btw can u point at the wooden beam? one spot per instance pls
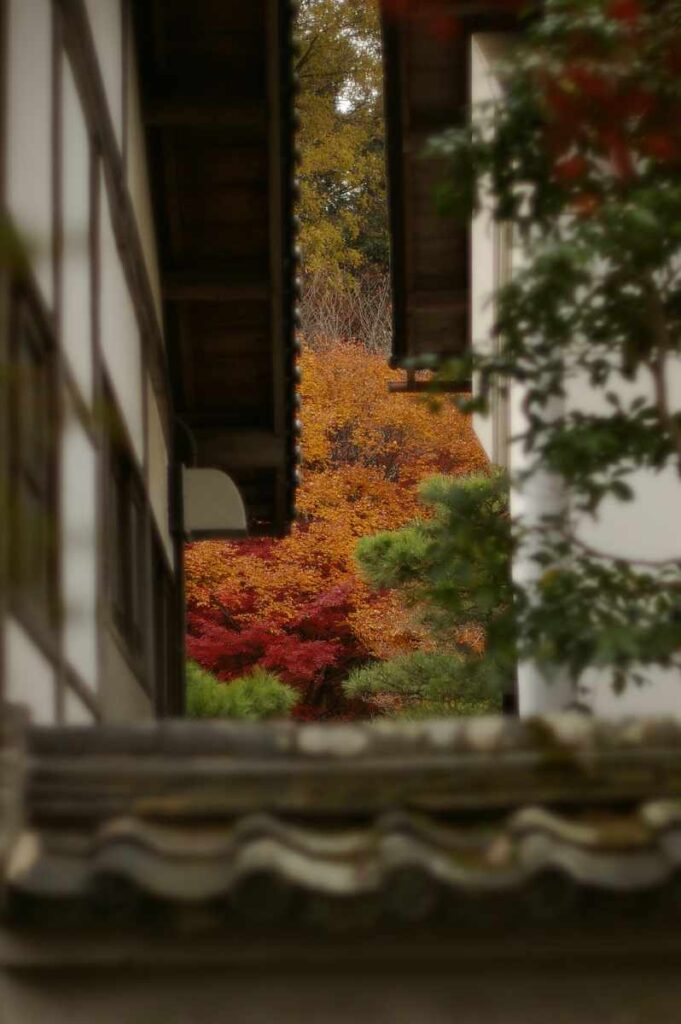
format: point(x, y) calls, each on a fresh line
point(427, 88)
point(441, 302)
point(279, 142)
point(477, 14)
point(199, 286)
point(410, 386)
point(172, 112)
point(238, 449)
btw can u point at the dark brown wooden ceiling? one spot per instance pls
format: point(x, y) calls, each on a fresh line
point(427, 90)
point(217, 103)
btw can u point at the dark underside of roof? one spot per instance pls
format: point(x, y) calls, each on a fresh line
point(217, 97)
point(427, 91)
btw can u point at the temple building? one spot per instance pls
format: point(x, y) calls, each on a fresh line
point(146, 332)
point(473, 870)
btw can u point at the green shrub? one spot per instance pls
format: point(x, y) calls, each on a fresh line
point(430, 683)
point(258, 695)
point(454, 568)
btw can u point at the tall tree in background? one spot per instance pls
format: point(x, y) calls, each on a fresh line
point(341, 138)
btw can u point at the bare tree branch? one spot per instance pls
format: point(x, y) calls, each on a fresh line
point(362, 312)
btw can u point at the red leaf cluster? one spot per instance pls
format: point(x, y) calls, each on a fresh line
point(629, 12)
point(606, 119)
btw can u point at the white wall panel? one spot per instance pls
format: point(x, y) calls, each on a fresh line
point(647, 527)
point(77, 279)
point(120, 335)
point(494, 256)
point(107, 29)
point(79, 549)
point(138, 185)
point(29, 131)
point(29, 677)
point(75, 711)
point(490, 253)
point(158, 470)
point(121, 698)
point(660, 695)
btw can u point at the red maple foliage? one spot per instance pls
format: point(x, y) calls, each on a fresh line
point(606, 118)
point(297, 606)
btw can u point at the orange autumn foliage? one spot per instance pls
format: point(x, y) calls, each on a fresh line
point(364, 451)
point(351, 419)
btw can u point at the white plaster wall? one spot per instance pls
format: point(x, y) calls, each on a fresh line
point(29, 131)
point(106, 22)
point(120, 334)
point(158, 471)
point(78, 549)
point(121, 698)
point(493, 258)
point(482, 316)
point(76, 266)
point(75, 711)
point(138, 184)
point(30, 679)
point(488, 254)
point(648, 528)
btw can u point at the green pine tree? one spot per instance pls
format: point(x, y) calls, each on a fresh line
point(256, 696)
point(454, 568)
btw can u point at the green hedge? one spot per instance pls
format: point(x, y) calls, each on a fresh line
point(431, 684)
point(258, 695)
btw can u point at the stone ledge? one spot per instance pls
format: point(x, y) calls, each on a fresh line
point(185, 769)
point(479, 824)
point(483, 735)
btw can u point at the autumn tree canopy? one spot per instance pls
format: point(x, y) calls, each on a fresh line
point(297, 607)
point(341, 139)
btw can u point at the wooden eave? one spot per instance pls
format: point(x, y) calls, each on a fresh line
point(217, 99)
point(426, 91)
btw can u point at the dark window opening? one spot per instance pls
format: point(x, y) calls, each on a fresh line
point(127, 558)
point(166, 676)
point(141, 588)
point(32, 491)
